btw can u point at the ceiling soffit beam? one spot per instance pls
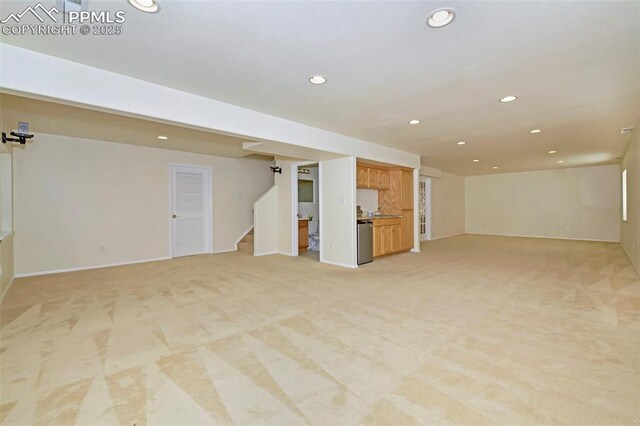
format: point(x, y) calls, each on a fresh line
point(35, 74)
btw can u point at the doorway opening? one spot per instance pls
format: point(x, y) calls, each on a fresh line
point(307, 210)
point(191, 209)
point(424, 208)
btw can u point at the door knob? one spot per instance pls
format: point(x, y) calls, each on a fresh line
point(174, 216)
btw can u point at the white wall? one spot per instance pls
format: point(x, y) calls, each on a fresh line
point(578, 203)
point(630, 231)
point(367, 199)
point(6, 189)
point(72, 196)
point(285, 183)
point(265, 222)
point(338, 212)
point(447, 206)
point(6, 219)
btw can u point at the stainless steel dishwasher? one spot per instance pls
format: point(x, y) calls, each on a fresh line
point(365, 241)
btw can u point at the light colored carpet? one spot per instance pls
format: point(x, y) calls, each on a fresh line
point(473, 330)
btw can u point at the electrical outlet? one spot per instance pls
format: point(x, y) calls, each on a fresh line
point(331, 245)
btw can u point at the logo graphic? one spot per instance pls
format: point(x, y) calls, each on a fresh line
point(34, 11)
point(75, 18)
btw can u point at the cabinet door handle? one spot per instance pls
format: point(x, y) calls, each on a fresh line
point(174, 216)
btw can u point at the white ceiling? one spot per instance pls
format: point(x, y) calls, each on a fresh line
point(575, 67)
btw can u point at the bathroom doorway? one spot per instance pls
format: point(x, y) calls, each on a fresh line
point(307, 193)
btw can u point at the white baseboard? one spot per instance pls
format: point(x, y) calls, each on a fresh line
point(544, 237)
point(6, 290)
point(84, 268)
point(446, 236)
point(224, 251)
point(344, 265)
point(266, 253)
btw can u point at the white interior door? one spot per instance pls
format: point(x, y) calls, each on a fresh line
point(424, 207)
point(190, 210)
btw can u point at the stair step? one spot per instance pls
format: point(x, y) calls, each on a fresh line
point(245, 247)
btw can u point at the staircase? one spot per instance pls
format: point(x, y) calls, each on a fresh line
point(246, 243)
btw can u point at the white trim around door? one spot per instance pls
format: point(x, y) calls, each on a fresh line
point(190, 212)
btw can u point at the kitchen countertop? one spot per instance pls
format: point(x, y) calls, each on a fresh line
point(382, 216)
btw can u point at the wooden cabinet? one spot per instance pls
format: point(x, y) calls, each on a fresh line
point(406, 227)
point(377, 241)
point(396, 238)
point(387, 236)
point(387, 239)
point(362, 177)
point(395, 197)
point(384, 179)
point(303, 234)
point(372, 177)
point(407, 190)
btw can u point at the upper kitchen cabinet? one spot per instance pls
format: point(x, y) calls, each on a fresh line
point(384, 179)
point(399, 197)
point(372, 177)
point(407, 190)
point(362, 176)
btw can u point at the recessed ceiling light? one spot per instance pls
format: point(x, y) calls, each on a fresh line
point(560, 161)
point(509, 98)
point(414, 122)
point(534, 131)
point(476, 161)
point(164, 138)
point(461, 143)
point(551, 152)
point(149, 6)
point(441, 17)
point(495, 167)
point(317, 79)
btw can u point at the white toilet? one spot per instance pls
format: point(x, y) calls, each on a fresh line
point(314, 235)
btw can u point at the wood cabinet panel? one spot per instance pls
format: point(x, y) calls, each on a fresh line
point(362, 177)
point(384, 179)
point(387, 239)
point(407, 190)
point(396, 238)
point(377, 241)
point(389, 200)
point(303, 234)
point(373, 178)
point(407, 230)
point(387, 236)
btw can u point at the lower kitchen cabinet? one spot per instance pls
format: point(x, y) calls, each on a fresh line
point(387, 236)
point(407, 230)
point(377, 241)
